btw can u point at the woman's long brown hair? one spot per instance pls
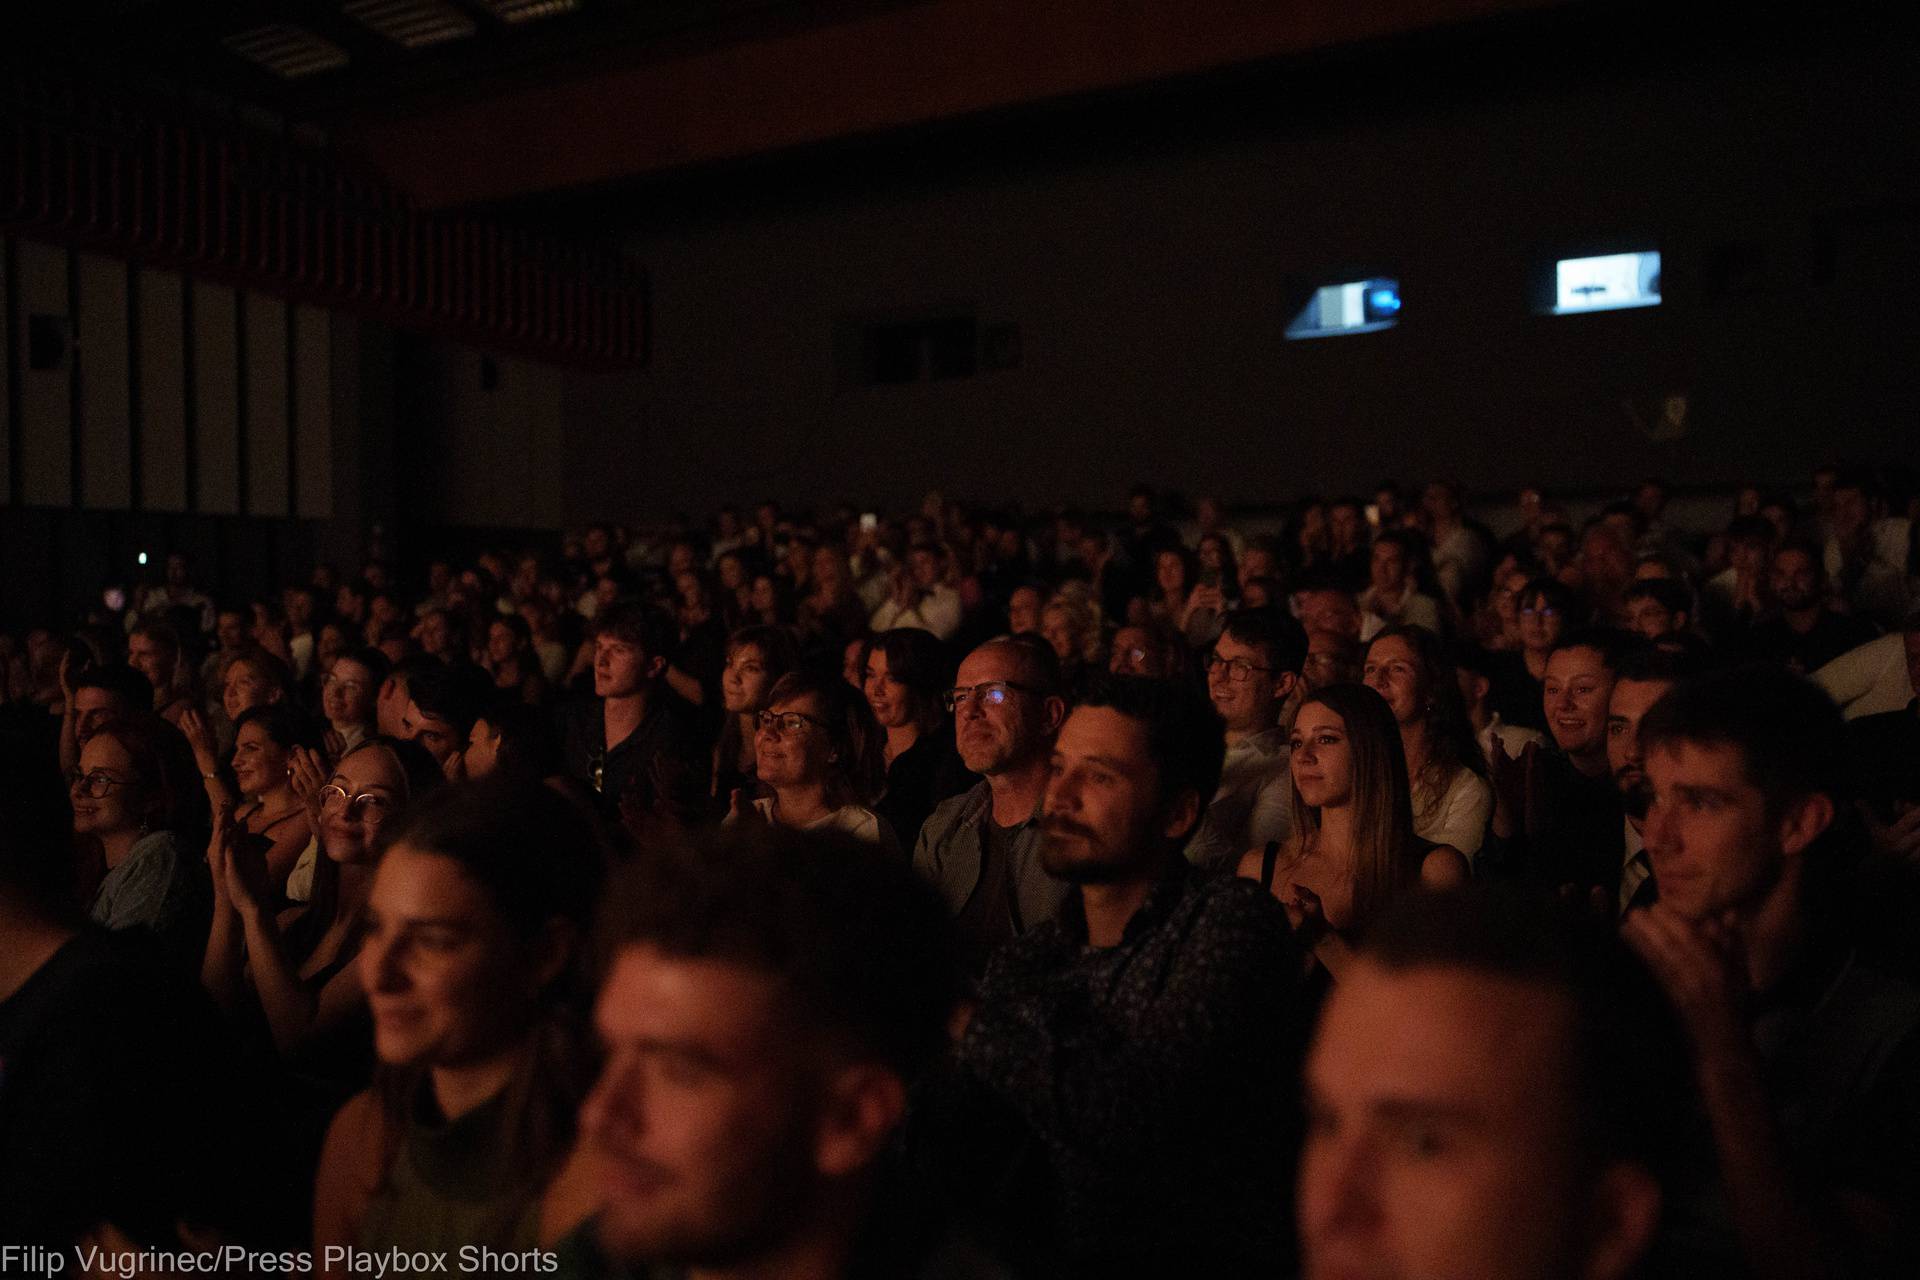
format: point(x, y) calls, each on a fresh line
point(1385, 857)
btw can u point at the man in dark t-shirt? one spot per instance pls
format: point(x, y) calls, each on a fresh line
point(1807, 1057)
point(1804, 634)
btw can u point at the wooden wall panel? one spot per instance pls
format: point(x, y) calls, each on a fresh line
point(163, 391)
point(312, 413)
point(266, 399)
point(46, 395)
point(216, 400)
point(103, 415)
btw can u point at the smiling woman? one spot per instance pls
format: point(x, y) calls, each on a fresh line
point(135, 793)
point(474, 970)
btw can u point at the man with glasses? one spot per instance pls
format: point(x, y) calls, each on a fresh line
point(981, 850)
point(1252, 670)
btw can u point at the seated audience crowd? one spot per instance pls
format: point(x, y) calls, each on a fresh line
point(1364, 892)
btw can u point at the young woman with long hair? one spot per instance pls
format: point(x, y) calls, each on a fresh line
point(905, 679)
point(1411, 669)
point(1353, 846)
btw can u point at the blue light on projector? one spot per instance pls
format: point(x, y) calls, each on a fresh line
point(1356, 306)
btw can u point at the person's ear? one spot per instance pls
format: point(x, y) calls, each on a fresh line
point(1284, 683)
point(656, 667)
point(1053, 713)
point(553, 950)
point(1804, 821)
point(1626, 1213)
point(863, 1105)
point(1182, 815)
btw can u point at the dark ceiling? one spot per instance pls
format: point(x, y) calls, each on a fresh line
point(470, 103)
point(341, 62)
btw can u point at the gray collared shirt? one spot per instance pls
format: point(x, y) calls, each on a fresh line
point(951, 853)
point(1253, 806)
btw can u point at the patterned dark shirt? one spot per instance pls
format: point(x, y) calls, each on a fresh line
point(1132, 1107)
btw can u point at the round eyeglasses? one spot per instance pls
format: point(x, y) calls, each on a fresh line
point(366, 807)
point(95, 785)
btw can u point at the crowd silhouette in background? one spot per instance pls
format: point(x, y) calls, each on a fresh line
point(1350, 891)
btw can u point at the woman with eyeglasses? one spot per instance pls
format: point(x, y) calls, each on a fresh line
point(475, 971)
point(1546, 611)
point(905, 680)
point(296, 965)
point(756, 657)
point(1452, 800)
point(1353, 847)
point(817, 750)
point(135, 792)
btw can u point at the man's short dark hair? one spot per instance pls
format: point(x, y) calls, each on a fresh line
point(1553, 593)
point(161, 633)
point(1754, 529)
point(645, 627)
point(1790, 735)
point(1411, 544)
point(1651, 664)
point(1631, 1080)
point(861, 946)
point(1611, 643)
point(1185, 735)
point(1626, 508)
point(1669, 593)
point(456, 694)
point(377, 663)
point(1857, 476)
point(128, 686)
point(412, 668)
point(1808, 548)
point(1273, 631)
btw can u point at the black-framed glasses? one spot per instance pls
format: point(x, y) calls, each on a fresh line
point(782, 723)
point(365, 807)
point(95, 785)
point(989, 693)
point(1239, 670)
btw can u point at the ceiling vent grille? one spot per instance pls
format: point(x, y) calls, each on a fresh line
point(528, 10)
point(412, 24)
point(290, 52)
